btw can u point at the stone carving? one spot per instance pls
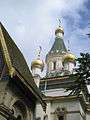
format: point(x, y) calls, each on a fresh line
point(60, 113)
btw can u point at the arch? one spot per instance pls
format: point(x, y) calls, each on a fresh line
point(20, 110)
point(14, 101)
point(51, 66)
point(54, 65)
point(19, 117)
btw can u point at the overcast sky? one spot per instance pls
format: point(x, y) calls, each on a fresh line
point(33, 22)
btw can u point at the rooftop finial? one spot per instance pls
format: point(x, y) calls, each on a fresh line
point(59, 22)
point(68, 45)
point(39, 51)
point(59, 32)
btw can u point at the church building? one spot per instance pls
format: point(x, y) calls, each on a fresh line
point(60, 64)
point(28, 96)
point(18, 91)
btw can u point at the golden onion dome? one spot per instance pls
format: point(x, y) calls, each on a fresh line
point(69, 57)
point(37, 64)
point(59, 30)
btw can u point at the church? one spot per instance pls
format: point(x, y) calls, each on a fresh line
point(18, 91)
point(25, 95)
point(60, 64)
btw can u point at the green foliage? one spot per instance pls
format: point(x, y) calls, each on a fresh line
point(88, 35)
point(81, 76)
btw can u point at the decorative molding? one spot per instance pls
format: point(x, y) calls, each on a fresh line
point(6, 55)
point(6, 112)
point(59, 111)
point(54, 78)
point(68, 112)
point(49, 98)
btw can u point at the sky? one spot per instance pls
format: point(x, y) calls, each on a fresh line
point(32, 23)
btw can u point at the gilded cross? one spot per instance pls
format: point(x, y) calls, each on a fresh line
point(39, 51)
point(59, 22)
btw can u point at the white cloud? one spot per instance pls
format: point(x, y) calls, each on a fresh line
point(32, 23)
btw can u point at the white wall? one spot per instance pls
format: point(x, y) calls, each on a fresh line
point(69, 105)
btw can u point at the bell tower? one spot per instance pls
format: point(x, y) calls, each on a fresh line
point(59, 60)
point(55, 56)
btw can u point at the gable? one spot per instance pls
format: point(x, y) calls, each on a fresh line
point(16, 63)
point(2, 62)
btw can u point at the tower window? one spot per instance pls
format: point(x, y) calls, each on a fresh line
point(54, 65)
point(19, 117)
point(61, 118)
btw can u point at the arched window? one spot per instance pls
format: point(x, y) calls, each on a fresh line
point(51, 65)
point(19, 117)
point(61, 117)
point(54, 65)
point(20, 111)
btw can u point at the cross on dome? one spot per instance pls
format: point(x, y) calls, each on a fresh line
point(59, 21)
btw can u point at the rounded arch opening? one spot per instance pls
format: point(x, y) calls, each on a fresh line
point(19, 117)
point(20, 110)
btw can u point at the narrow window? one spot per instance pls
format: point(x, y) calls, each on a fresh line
point(54, 65)
point(61, 118)
point(19, 117)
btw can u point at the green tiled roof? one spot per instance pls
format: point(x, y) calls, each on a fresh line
point(18, 61)
point(58, 46)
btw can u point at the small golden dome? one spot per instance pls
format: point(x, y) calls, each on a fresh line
point(59, 30)
point(69, 57)
point(37, 64)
